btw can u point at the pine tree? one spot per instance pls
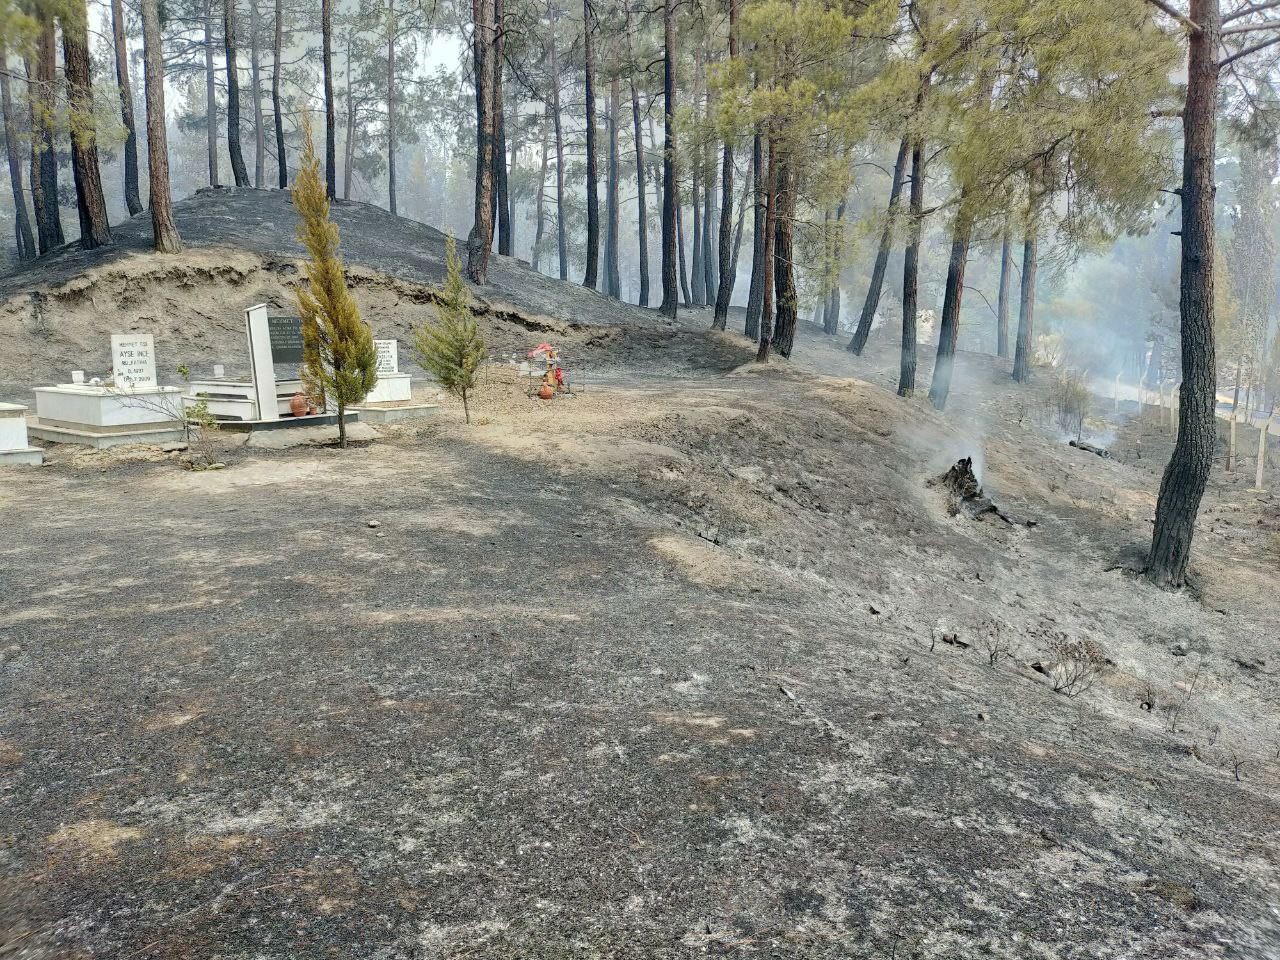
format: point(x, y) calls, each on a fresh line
point(452, 349)
point(339, 357)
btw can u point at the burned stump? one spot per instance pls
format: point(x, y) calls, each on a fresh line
point(964, 494)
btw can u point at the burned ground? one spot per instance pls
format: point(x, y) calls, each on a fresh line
point(694, 663)
point(655, 671)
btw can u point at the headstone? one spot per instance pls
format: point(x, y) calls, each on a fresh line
point(219, 371)
point(388, 356)
point(286, 339)
point(77, 376)
point(133, 359)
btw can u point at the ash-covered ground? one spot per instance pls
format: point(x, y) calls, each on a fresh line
point(694, 663)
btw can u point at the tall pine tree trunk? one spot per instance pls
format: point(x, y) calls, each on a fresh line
point(238, 169)
point(684, 271)
point(1002, 295)
point(25, 243)
point(349, 141)
point(501, 195)
point(697, 274)
point(330, 108)
point(131, 197)
point(834, 295)
point(911, 273)
point(540, 216)
point(770, 231)
point(480, 240)
point(670, 198)
point(1026, 306)
point(724, 290)
point(44, 154)
point(393, 28)
point(949, 329)
point(90, 201)
point(562, 236)
point(255, 91)
point(642, 218)
point(589, 277)
point(872, 302)
point(164, 231)
point(784, 329)
point(210, 98)
point(612, 275)
point(755, 294)
point(277, 50)
point(1183, 484)
point(711, 278)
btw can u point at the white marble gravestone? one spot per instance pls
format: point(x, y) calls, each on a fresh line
point(392, 386)
point(273, 341)
point(132, 408)
point(14, 448)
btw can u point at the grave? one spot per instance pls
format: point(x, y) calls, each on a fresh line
point(14, 448)
point(132, 408)
point(262, 401)
point(391, 398)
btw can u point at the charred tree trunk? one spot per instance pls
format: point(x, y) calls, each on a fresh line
point(711, 275)
point(90, 201)
point(589, 278)
point(612, 274)
point(393, 29)
point(330, 108)
point(276, 51)
point(724, 290)
point(514, 145)
point(698, 286)
point(131, 198)
point(480, 239)
point(210, 97)
point(349, 140)
point(25, 243)
point(949, 330)
point(562, 237)
point(755, 294)
point(233, 94)
point(784, 328)
point(834, 296)
point(684, 272)
point(540, 216)
point(669, 196)
point(501, 193)
point(164, 231)
point(1002, 296)
point(642, 219)
point(872, 302)
point(1026, 306)
point(44, 156)
point(911, 273)
point(255, 92)
point(741, 217)
point(770, 221)
point(1182, 486)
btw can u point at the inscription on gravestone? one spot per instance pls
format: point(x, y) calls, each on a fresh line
point(133, 359)
point(286, 339)
point(388, 355)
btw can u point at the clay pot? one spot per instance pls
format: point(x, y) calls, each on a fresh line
point(546, 391)
point(298, 405)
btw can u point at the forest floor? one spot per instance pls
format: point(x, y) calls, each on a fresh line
point(692, 663)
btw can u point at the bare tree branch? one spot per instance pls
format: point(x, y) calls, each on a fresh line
point(1260, 45)
point(1252, 8)
point(1182, 18)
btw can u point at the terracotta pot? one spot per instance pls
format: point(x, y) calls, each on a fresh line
point(298, 405)
point(546, 391)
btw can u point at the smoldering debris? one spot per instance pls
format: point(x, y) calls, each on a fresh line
point(965, 496)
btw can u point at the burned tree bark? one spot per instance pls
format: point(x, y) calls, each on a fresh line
point(255, 94)
point(90, 201)
point(949, 330)
point(562, 238)
point(669, 196)
point(238, 170)
point(770, 220)
point(590, 276)
point(612, 275)
point(330, 108)
point(501, 195)
point(210, 97)
point(783, 269)
point(44, 157)
point(164, 231)
point(1187, 473)
point(282, 162)
point(1026, 307)
point(25, 243)
point(480, 240)
point(755, 293)
point(872, 302)
point(724, 290)
point(1002, 297)
point(642, 219)
point(911, 273)
point(131, 197)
